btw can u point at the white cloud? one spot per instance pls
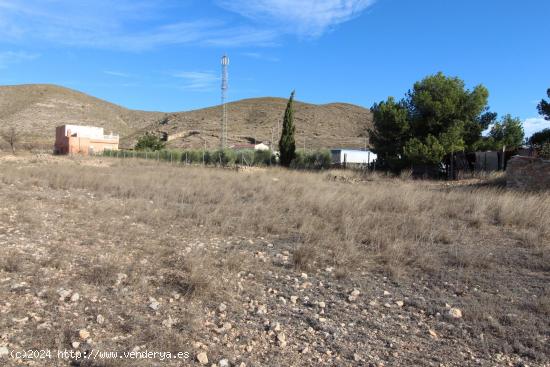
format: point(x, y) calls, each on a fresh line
point(260, 56)
point(117, 73)
point(137, 25)
point(197, 80)
point(11, 57)
point(534, 124)
point(122, 25)
point(310, 18)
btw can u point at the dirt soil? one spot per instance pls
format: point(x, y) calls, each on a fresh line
point(90, 271)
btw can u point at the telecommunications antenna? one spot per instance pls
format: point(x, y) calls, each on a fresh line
point(225, 64)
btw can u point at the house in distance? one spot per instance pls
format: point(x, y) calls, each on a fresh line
point(85, 140)
point(352, 157)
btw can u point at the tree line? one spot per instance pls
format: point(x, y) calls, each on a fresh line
point(439, 116)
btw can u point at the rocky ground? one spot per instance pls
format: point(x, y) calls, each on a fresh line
point(91, 273)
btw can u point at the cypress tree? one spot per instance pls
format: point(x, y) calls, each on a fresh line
point(287, 143)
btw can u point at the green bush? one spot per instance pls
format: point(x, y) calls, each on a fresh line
point(312, 160)
point(264, 158)
point(149, 142)
point(223, 157)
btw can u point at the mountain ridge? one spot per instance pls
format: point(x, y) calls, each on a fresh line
point(36, 109)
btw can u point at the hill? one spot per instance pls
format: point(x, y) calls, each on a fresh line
point(260, 119)
point(38, 109)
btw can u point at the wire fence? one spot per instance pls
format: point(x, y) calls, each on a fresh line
point(224, 157)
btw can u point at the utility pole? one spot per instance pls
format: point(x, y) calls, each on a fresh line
point(225, 86)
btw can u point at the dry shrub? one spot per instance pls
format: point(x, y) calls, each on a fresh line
point(10, 262)
point(101, 274)
point(192, 275)
point(303, 257)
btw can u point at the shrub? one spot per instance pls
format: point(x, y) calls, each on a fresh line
point(245, 157)
point(312, 160)
point(223, 157)
point(264, 157)
point(149, 142)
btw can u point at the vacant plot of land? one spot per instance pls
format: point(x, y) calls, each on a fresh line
point(268, 267)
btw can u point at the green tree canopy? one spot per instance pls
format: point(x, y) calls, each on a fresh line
point(508, 132)
point(539, 138)
point(544, 107)
point(430, 152)
point(438, 116)
point(149, 142)
point(390, 130)
point(287, 143)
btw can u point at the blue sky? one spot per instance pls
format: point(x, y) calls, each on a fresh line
point(164, 54)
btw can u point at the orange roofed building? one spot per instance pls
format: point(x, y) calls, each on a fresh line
point(85, 140)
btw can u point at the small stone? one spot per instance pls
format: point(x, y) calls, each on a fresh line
point(293, 299)
point(400, 303)
point(281, 337)
point(4, 352)
point(455, 313)
point(120, 277)
point(100, 319)
point(322, 304)
point(84, 334)
point(386, 293)
point(63, 294)
point(22, 320)
point(75, 297)
point(353, 295)
point(276, 327)
point(168, 322)
point(304, 276)
point(75, 345)
point(202, 358)
point(222, 308)
point(432, 332)
point(153, 304)
point(262, 310)
point(223, 363)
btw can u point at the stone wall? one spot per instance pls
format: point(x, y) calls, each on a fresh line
point(528, 173)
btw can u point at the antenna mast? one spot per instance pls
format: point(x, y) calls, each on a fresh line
point(225, 63)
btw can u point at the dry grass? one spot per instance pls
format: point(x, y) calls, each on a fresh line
point(139, 218)
point(398, 222)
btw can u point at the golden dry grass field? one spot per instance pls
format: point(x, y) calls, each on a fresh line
point(268, 267)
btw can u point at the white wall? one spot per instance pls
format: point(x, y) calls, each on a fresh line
point(85, 131)
point(353, 156)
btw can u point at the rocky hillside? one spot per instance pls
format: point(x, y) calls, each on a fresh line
point(260, 119)
point(38, 109)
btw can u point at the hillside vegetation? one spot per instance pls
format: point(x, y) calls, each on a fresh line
point(38, 109)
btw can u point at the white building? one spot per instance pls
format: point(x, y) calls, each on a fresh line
point(352, 156)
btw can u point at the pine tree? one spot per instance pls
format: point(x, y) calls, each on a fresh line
point(287, 143)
